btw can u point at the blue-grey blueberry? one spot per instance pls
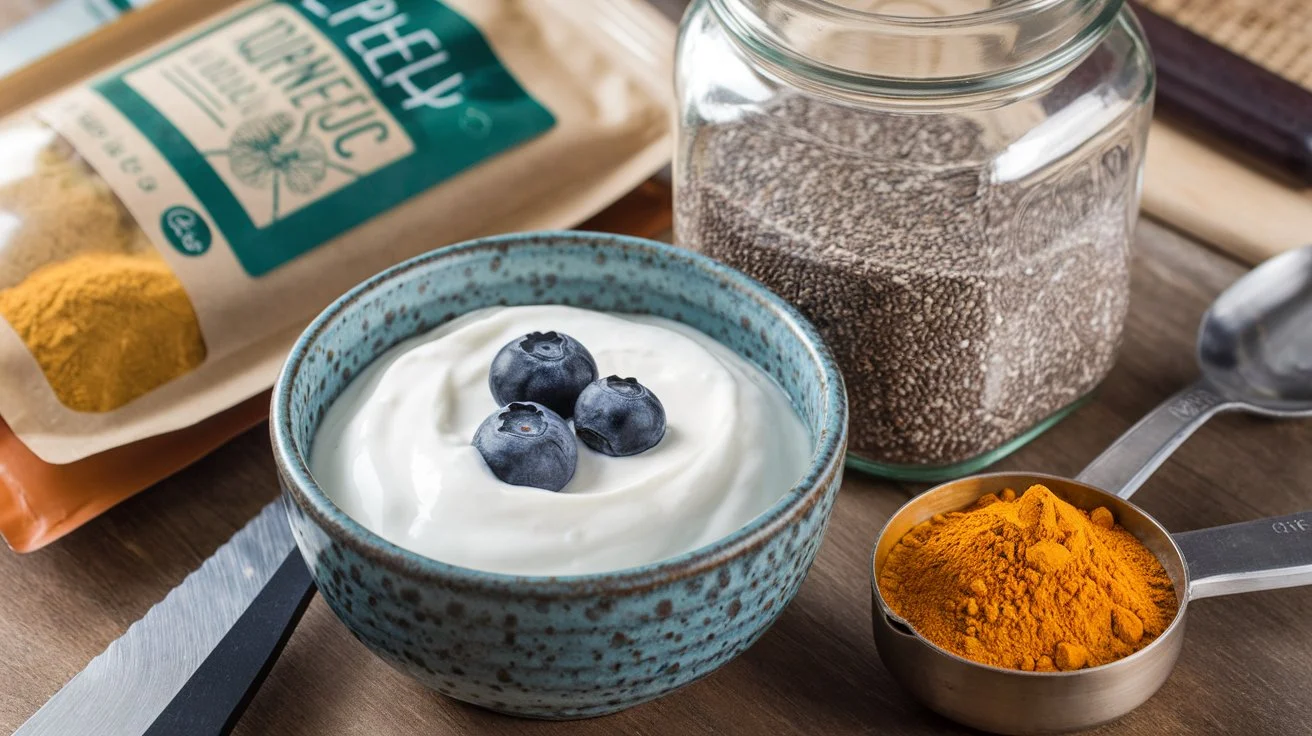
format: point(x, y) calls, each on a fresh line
point(549, 368)
point(619, 416)
point(527, 444)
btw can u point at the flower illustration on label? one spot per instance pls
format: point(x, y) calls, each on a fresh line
point(269, 152)
point(260, 152)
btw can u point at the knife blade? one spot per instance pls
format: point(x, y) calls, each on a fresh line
point(126, 688)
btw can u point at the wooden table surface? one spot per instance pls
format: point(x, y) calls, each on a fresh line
point(1245, 667)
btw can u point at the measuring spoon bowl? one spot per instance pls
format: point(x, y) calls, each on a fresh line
point(1255, 342)
point(1260, 555)
point(1255, 355)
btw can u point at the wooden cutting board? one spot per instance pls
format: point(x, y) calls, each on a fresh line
point(1276, 34)
point(1195, 185)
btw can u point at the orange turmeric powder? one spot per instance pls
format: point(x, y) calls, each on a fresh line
point(1029, 583)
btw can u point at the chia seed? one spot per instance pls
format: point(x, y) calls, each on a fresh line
point(963, 309)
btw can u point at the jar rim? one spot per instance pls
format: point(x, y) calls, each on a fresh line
point(1069, 30)
point(1009, 10)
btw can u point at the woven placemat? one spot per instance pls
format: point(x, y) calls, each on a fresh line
point(1276, 34)
point(1194, 185)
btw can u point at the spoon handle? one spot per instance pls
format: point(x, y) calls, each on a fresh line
point(1124, 466)
point(1249, 556)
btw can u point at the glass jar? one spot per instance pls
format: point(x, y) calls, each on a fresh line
point(946, 188)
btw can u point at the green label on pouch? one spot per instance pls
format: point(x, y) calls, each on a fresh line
point(296, 120)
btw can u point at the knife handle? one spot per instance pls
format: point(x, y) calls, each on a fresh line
point(217, 693)
point(1221, 92)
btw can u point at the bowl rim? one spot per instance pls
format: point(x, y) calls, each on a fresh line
point(826, 458)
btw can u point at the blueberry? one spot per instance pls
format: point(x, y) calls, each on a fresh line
point(527, 444)
point(550, 368)
point(619, 416)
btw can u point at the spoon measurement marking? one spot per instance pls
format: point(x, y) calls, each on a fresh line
point(1291, 526)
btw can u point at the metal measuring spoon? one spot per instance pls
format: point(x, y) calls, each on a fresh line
point(1255, 353)
point(1239, 558)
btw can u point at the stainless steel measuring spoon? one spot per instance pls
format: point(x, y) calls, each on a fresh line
point(1239, 558)
point(1255, 354)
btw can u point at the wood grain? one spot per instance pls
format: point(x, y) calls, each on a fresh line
point(1244, 668)
point(1220, 200)
point(1262, 115)
point(1204, 185)
point(1276, 34)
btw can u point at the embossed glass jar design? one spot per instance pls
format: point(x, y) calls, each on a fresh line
point(947, 188)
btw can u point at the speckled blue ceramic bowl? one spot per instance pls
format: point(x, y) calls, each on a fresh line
point(570, 646)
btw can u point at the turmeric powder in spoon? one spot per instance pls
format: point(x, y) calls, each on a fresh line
point(1029, 582)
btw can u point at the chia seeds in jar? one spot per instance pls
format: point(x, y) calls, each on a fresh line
point(965, 255)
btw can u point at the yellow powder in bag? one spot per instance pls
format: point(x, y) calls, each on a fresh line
point(105, 327)
point(81, 284)
point(59, 209)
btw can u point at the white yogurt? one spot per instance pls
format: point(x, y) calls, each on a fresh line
point(394, 449)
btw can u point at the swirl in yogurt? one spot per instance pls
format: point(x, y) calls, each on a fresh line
point(394, 452)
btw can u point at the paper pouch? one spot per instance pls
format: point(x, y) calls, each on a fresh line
point(168, 228)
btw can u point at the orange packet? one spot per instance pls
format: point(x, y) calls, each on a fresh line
point(41, 502)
